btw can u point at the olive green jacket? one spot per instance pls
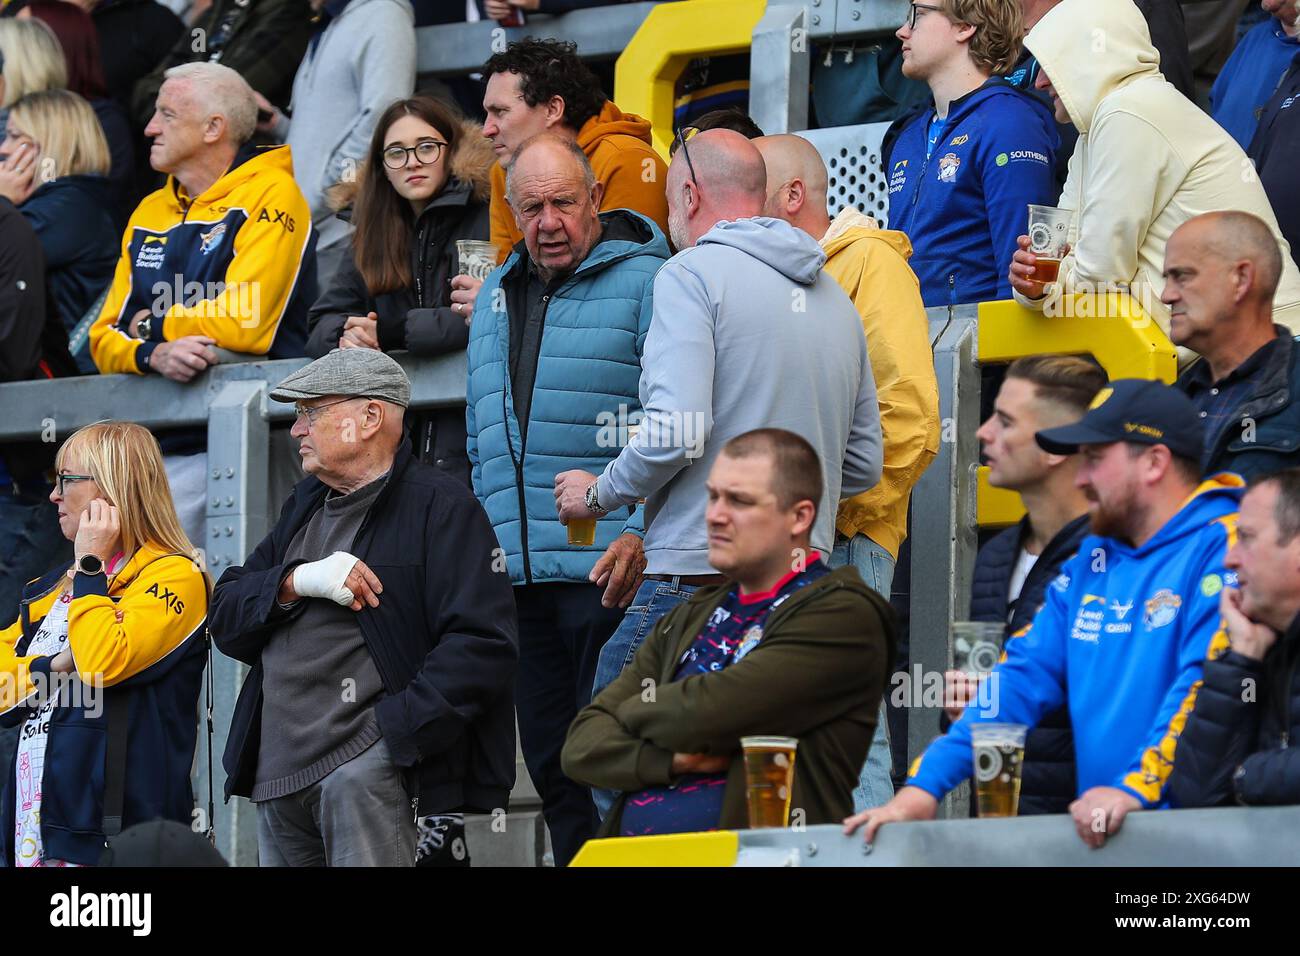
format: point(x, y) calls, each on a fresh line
point(817, 674)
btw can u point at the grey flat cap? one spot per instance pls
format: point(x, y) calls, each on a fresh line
point(354, 372)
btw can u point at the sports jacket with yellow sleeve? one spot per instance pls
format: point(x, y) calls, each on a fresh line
point(236, 263)
point(138, 645)
point(1122, 636)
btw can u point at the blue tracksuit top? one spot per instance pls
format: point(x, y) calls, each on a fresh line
point(1250, 77)
point(1123, 635)
point(964, 207)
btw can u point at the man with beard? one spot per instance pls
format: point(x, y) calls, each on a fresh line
point(1126, 625)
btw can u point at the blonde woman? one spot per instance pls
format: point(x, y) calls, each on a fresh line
point(63, 191)
point(102, 669)
point(32, 59)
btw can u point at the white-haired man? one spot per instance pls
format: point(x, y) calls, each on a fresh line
point(223, 255)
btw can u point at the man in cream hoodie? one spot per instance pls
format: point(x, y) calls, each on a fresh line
point(870, 264)
point(1148, 159)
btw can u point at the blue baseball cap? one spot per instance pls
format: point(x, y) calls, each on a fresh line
point(1136, 410)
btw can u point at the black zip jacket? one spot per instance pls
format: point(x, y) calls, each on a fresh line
point(444, 637)
point(1274, 150)
point(1236, 746)
point(1263, 434)
point(1048, 780)
point(33, 342)
point(419, 318)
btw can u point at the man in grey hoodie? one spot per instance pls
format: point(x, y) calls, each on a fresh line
point(747, 333)
point(361, 58)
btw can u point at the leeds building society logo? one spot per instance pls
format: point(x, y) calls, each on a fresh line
point(152, 252)
point(1161, 609)
point(1211, 585)
point(948, 168)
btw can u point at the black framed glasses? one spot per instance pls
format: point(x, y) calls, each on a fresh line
point(60, 480)
point(911, 14)
point(682, 137)
point(683, 134)
point(313, 413)
point(426, 153)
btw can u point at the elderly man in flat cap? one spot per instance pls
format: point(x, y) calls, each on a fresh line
point(381, 637)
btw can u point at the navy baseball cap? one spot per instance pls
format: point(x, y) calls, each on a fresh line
point(1135, 410)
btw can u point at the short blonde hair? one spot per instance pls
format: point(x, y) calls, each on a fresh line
point(220, 91)
point(126, 463)
point(33, 59)
point(999, 27)
point(67, 131)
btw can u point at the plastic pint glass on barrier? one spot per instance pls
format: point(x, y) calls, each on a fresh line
point(999, 752)
point(1049, 236)
point(769, 779)
point(976, 646)
point(475, 258)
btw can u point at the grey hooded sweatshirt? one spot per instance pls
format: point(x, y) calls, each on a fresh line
point(748, 332)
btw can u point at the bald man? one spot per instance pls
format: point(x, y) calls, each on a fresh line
point(555, 349)
point(870, 264)
point(1221, 273)
point(747, 333)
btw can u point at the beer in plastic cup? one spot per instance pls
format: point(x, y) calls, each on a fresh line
point(769, 779)
point(999, 752)
point(475, 258)
point(1049, 235)
point(976, 646)
point(582, 531)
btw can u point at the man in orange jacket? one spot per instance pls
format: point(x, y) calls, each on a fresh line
point(539, 86)
point(870, 264)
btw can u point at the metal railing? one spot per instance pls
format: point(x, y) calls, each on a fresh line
point(1228, 837)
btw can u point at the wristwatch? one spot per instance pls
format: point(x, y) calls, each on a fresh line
point(593, 502)
point(144, 327)
point(90, 564)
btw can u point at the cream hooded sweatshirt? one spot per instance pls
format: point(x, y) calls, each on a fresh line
point(1148, 159)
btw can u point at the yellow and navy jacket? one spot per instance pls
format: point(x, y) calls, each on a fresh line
point(236, 263)
point(141, 636)
point(1123, 634)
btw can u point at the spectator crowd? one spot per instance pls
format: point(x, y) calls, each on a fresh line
point(698, 400)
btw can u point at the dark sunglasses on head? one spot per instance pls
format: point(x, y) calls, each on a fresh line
point(683, 134)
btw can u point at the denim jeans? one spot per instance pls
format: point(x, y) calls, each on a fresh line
point(876, 566)
point(653, 600)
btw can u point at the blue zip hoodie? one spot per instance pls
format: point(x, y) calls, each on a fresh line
point(965, 205)
point(1123, 635)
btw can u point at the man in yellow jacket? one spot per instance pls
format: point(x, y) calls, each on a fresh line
point(222, 256)
point(870, 264)
point(539, 86)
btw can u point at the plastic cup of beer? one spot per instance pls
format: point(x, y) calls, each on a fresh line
point(999, 752)
point(475, 258)
point(769, 779)
point(582, 531)
point(976, 646)
point(1049, 237)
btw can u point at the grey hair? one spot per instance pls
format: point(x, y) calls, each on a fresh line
point(588, 175)
point(221, 91)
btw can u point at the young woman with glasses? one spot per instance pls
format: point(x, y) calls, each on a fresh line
point(425, 184)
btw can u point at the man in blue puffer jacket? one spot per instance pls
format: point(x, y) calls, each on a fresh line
point(555, 350)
